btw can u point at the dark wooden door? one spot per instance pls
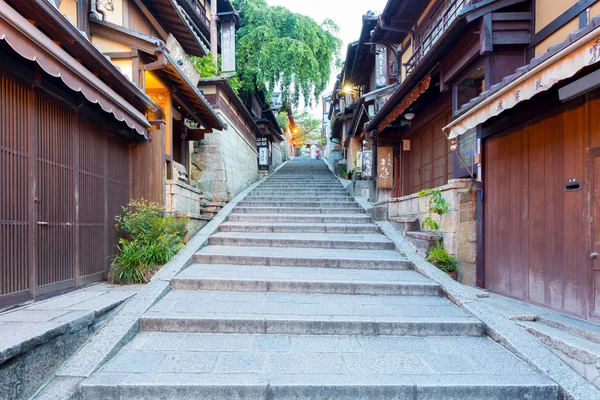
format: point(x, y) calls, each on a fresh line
point(536, 229)
point(595, 246)
point(55, 198)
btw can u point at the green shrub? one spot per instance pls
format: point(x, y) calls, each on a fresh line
point(437, 205)
point(150, 241)
point(442, 259)
point(343, 171)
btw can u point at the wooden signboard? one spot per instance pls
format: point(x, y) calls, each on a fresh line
point(385, 167)
point(367, 172)
point(186, 66)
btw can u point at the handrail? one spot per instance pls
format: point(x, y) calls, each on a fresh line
point(437, 29)
point(200, 11)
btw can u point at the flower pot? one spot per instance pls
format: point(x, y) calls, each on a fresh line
point(453, 275)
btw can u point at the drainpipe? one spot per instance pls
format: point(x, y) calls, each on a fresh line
point(99, 11)
point(214, 49)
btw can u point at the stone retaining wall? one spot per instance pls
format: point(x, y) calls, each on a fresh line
point(459, 227)
point(224, 163)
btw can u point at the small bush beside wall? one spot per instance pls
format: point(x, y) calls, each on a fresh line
point(150, 241)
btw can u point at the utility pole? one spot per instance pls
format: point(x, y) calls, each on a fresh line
point(213, 31)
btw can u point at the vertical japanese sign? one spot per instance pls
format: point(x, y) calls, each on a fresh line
point(367, 164)
point(359, 162)
point(381, 78)
point(385, 167)
point(228, 46)
point(263, 157)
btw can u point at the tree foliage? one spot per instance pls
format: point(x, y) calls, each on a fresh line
point(276, 47)
point(208, 69)
point(309, 128)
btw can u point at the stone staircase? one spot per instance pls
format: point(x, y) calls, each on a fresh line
point(299, 296)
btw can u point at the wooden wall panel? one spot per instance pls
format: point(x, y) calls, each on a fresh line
point(14, 188)
point(535, 232)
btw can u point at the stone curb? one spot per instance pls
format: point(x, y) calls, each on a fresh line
point(124, 325)
point(499, 328)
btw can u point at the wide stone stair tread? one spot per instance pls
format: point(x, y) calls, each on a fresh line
point(232, 366)
point(258, 278)
point(193, 311)
point(299, 210)
point(574, 346)
point(298, 227)
point(301, 218)
point(303, 240)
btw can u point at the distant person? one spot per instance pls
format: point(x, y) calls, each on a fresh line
point(318, 153)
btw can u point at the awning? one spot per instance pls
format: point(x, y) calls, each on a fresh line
point(405, 103)
point(582, 49)
point(31, 44)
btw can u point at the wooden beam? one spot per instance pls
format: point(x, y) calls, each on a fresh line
point(488, 7)
point(511, 38)
point(560, 21)
point(117, 34)
point(486, 34)
point(511, 16)
point(161, 31)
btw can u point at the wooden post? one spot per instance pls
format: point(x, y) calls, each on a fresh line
point(213, 31)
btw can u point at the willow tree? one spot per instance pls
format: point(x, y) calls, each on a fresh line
point(278, 48)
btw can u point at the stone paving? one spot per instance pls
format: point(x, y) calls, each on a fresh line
point(294, 300)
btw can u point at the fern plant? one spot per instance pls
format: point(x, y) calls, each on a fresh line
point(150, 241)
point(440, 257)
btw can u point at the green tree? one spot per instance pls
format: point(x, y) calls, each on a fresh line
point(208, 69)
point(276, 47)
point(309, 128)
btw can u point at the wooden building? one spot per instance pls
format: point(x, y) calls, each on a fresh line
point(526, 146)
point(68, 123)
point(540, 134)
point(97, 101)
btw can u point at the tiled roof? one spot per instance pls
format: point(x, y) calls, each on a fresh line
point(552, 50)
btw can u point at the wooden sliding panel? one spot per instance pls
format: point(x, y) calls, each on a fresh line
point(56, 198)
point(92, 195)
point(15, 193)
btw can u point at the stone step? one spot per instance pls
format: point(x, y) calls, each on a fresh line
point(302, 218)
point(293, 197)
point(171, 366)
point(299, 210)
point(302, 192)
point(585, 352)
point(299, 204)
point(257, 278)
point(280, 227)
point(193, 311)
point(309, 257)
point(423, 241)
point(575, 326)
point(310, 240)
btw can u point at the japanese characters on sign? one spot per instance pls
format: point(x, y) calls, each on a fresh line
point(381, 78)
point(385, 170)
point(263, 158)
point(367, 172)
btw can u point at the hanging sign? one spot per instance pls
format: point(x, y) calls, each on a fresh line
point(381, 78)
point(359, 161)
point(385, 170)
point(367, 172)
point(263, 156)
point(228, 46)
point(184, 63)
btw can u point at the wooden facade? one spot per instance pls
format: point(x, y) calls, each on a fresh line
point(63, 178)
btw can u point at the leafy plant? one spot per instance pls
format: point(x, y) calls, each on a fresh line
point(438, 205)
point(208, 69)
point(283, 120)
point(440, 257)
point(276, 47)
point(343, 171)
point(150, 241)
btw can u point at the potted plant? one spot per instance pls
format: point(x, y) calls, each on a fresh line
point(343, 171)
point(440, 257)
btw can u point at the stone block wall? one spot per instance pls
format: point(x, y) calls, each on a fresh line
point(458, 227)
point(224, 163)
point(183, 200)
point(277, 155)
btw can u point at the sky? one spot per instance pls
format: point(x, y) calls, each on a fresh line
point(347, 14)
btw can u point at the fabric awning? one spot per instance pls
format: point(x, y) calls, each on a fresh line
point(405, 103)
point(581, 52)
point(31, 44)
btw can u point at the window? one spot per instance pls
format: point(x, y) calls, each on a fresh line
point(471, 86)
